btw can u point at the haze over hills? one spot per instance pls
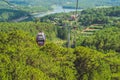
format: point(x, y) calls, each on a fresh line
point(36, 6)
point(66, 3)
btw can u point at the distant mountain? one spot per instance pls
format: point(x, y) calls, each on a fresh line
point(82, 3)
point(44, 5)
point(92, 3)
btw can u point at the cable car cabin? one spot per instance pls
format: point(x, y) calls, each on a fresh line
point(40, 39)
point(73, 17)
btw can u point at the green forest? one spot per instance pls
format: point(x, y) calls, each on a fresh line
point(94, 56)
point(11, 10)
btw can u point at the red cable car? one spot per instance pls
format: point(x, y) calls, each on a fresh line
point(40, 39)
point(73, 17)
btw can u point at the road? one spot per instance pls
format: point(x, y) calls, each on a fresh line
point(20, 19)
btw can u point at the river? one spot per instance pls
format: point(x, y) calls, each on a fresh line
point(57, 9)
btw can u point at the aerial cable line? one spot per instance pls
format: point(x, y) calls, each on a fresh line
point(69, 28)
point(75, 26)
point(76, 7)
point(68, 39)
point(102, 2)
point(74, 18)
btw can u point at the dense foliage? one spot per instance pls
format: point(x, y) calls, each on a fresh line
point(30, 27)
point(21, 58)
point(100, 16)
point(104, 40)
point(96, 56)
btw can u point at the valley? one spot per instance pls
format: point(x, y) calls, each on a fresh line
point(78, 45)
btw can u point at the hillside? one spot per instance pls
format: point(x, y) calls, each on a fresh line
point(28, 7)
point(47, 4)
point(95, 55)
point(22, 59)
point(88, 23)
point(51, 2)
point(9, 15)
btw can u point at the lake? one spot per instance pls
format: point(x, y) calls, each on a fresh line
point(57, 9)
